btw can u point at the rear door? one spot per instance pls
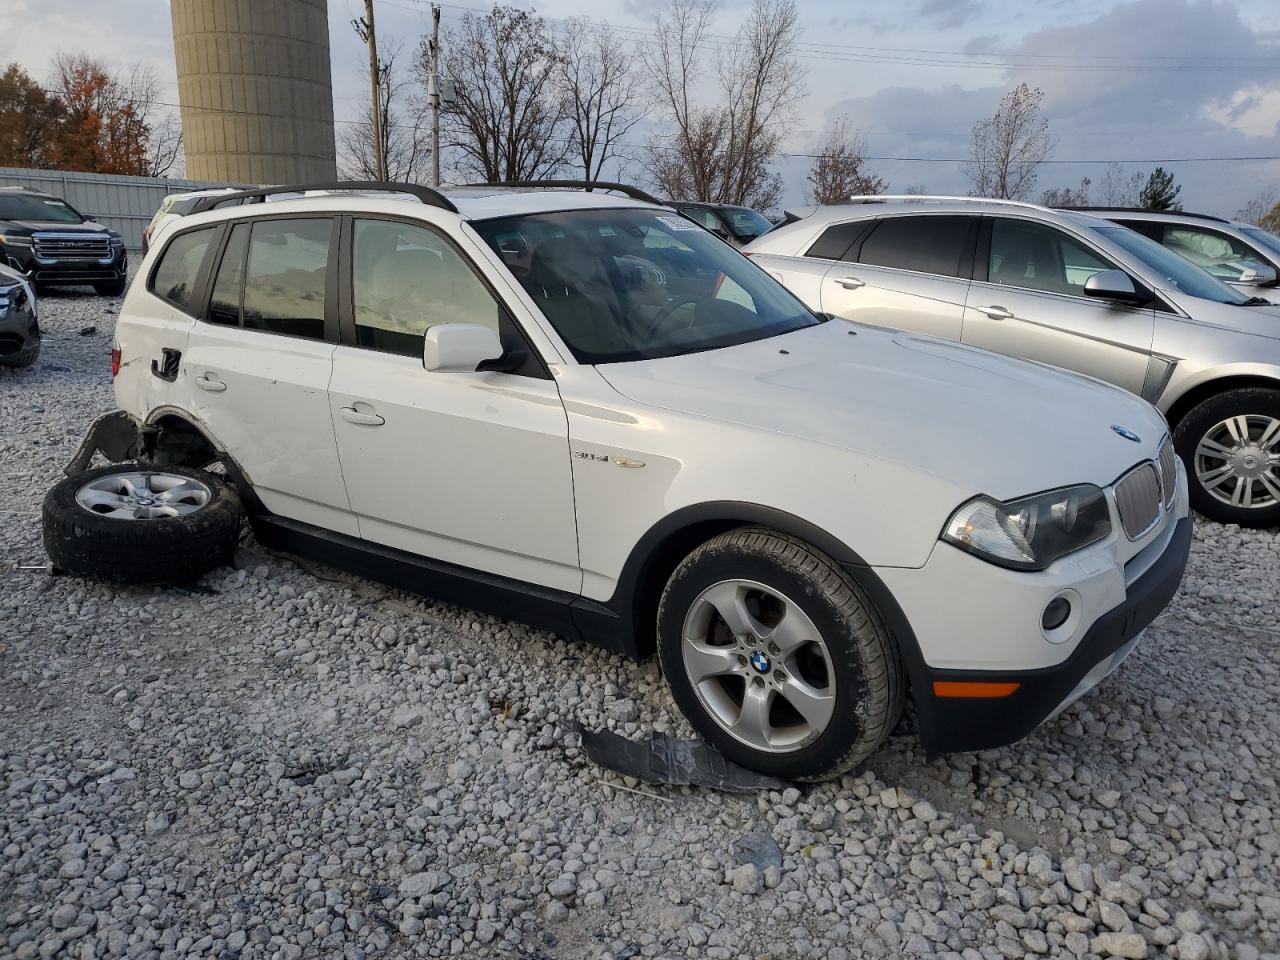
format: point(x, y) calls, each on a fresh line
point(909, 271)
point(1027, 300)
point(258, 364)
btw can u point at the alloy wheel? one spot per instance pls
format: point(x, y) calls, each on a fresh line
point(759, 666)
point(143, 496)
point(1237, 461)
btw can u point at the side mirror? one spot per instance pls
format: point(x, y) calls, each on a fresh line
point(1114, 285)
point(1258, 275)
point(459, 347)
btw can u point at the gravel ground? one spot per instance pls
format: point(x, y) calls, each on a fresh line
point(282, 761)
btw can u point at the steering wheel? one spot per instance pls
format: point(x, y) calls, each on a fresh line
point(664, 314)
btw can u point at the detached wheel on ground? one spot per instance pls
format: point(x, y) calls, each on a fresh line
point(776, 656)
point(1231, 446)
point(136, 523)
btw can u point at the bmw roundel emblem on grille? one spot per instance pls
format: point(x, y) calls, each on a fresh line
point(1127, 434)
point(760, 662)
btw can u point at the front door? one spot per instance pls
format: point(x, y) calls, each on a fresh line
point(257, 365)
point(469, 468)
point(1027, 300)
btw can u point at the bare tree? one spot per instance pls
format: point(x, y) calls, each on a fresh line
point(598, 81)
point(1067, 196)
point(916, 190)
point(1009, 146)
point(1260, 208)
point(140, 88)
point(508, 122)
point(1118, 189)
point(838, 171)
point(404, 130)
point(724, 153)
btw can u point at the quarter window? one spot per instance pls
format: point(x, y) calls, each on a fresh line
point(176, 274)
point(1036, 257)
point(932, 244)
point(284, 288)
point(836, 240)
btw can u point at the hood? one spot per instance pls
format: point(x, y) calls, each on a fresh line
point(995, 425)
point(1263, 321)
point(57, 226)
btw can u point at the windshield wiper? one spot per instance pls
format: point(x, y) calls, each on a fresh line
point(1255, 302)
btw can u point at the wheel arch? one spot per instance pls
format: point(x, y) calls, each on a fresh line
point(1199, 392)
point(664, 545)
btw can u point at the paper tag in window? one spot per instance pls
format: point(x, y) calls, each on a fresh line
point(679, 223)
point(55, 203)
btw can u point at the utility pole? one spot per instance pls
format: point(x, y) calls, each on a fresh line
point(365, 29)
point(434, 95)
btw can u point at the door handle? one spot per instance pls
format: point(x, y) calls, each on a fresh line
point(211, 384)
point(352, 415)
point(996, 312)
point(850, 283)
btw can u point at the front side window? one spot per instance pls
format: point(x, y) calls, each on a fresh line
point(285, 276)
point(637, 284)
point(407, 279)
point(1220, 255)
point(1174, 272)
point(174, 278)
point(930, 244)
point(1038, 257)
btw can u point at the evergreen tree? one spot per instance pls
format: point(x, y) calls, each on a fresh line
point(1160, 192)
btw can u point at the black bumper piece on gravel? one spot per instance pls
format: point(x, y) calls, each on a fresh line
point(960, 724)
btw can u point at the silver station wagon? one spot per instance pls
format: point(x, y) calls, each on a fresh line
point(1067, 289)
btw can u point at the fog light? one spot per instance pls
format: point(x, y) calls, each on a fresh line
point(1055, 614)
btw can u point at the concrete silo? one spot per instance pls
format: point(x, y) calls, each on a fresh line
point(256, 92)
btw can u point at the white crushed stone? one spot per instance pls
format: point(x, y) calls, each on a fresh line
point(287, 763)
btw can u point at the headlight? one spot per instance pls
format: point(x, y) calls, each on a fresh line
point(15, 241)
point(1033, 532)
point(117, 241)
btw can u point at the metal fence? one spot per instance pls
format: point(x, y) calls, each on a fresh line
point(126, 204)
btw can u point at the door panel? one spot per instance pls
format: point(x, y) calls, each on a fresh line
point(468, 468)
point(1031, 304)
point(896, 298)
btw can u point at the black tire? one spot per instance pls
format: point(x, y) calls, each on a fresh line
point(868, 678)
point(18, 363)
point(156, 551)
point(1199, 422)
point(111, 288)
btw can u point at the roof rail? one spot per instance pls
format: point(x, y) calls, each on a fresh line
point(1175, 213)
point(635, 193)
point(428, 196)
point(939, 198)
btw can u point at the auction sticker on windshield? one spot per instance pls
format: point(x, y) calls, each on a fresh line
point(679, 223)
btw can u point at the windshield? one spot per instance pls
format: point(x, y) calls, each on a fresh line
point(1268, 240)
point(635, 284)
point(1177, 273)
point(14, 207)
point(746, 223)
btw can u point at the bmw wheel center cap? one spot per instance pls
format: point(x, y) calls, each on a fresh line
point(759, 662)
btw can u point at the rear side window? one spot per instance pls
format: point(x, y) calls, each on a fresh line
point(836, 240)
point(174, 278)
point(285, 277)
point(933, 244)
point(228, 282)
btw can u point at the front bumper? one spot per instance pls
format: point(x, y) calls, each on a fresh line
point(951, 724)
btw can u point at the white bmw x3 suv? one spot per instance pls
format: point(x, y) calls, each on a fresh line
point(583, 411)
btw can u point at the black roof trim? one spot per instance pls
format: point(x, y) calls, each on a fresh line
point(1172, 213)
point(635, 193)
point(432, 198)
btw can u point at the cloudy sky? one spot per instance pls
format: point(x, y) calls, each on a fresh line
point(1142, 81)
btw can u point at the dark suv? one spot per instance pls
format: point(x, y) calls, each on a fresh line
point(19, 331)
point(736, 225)
point(51, 243)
